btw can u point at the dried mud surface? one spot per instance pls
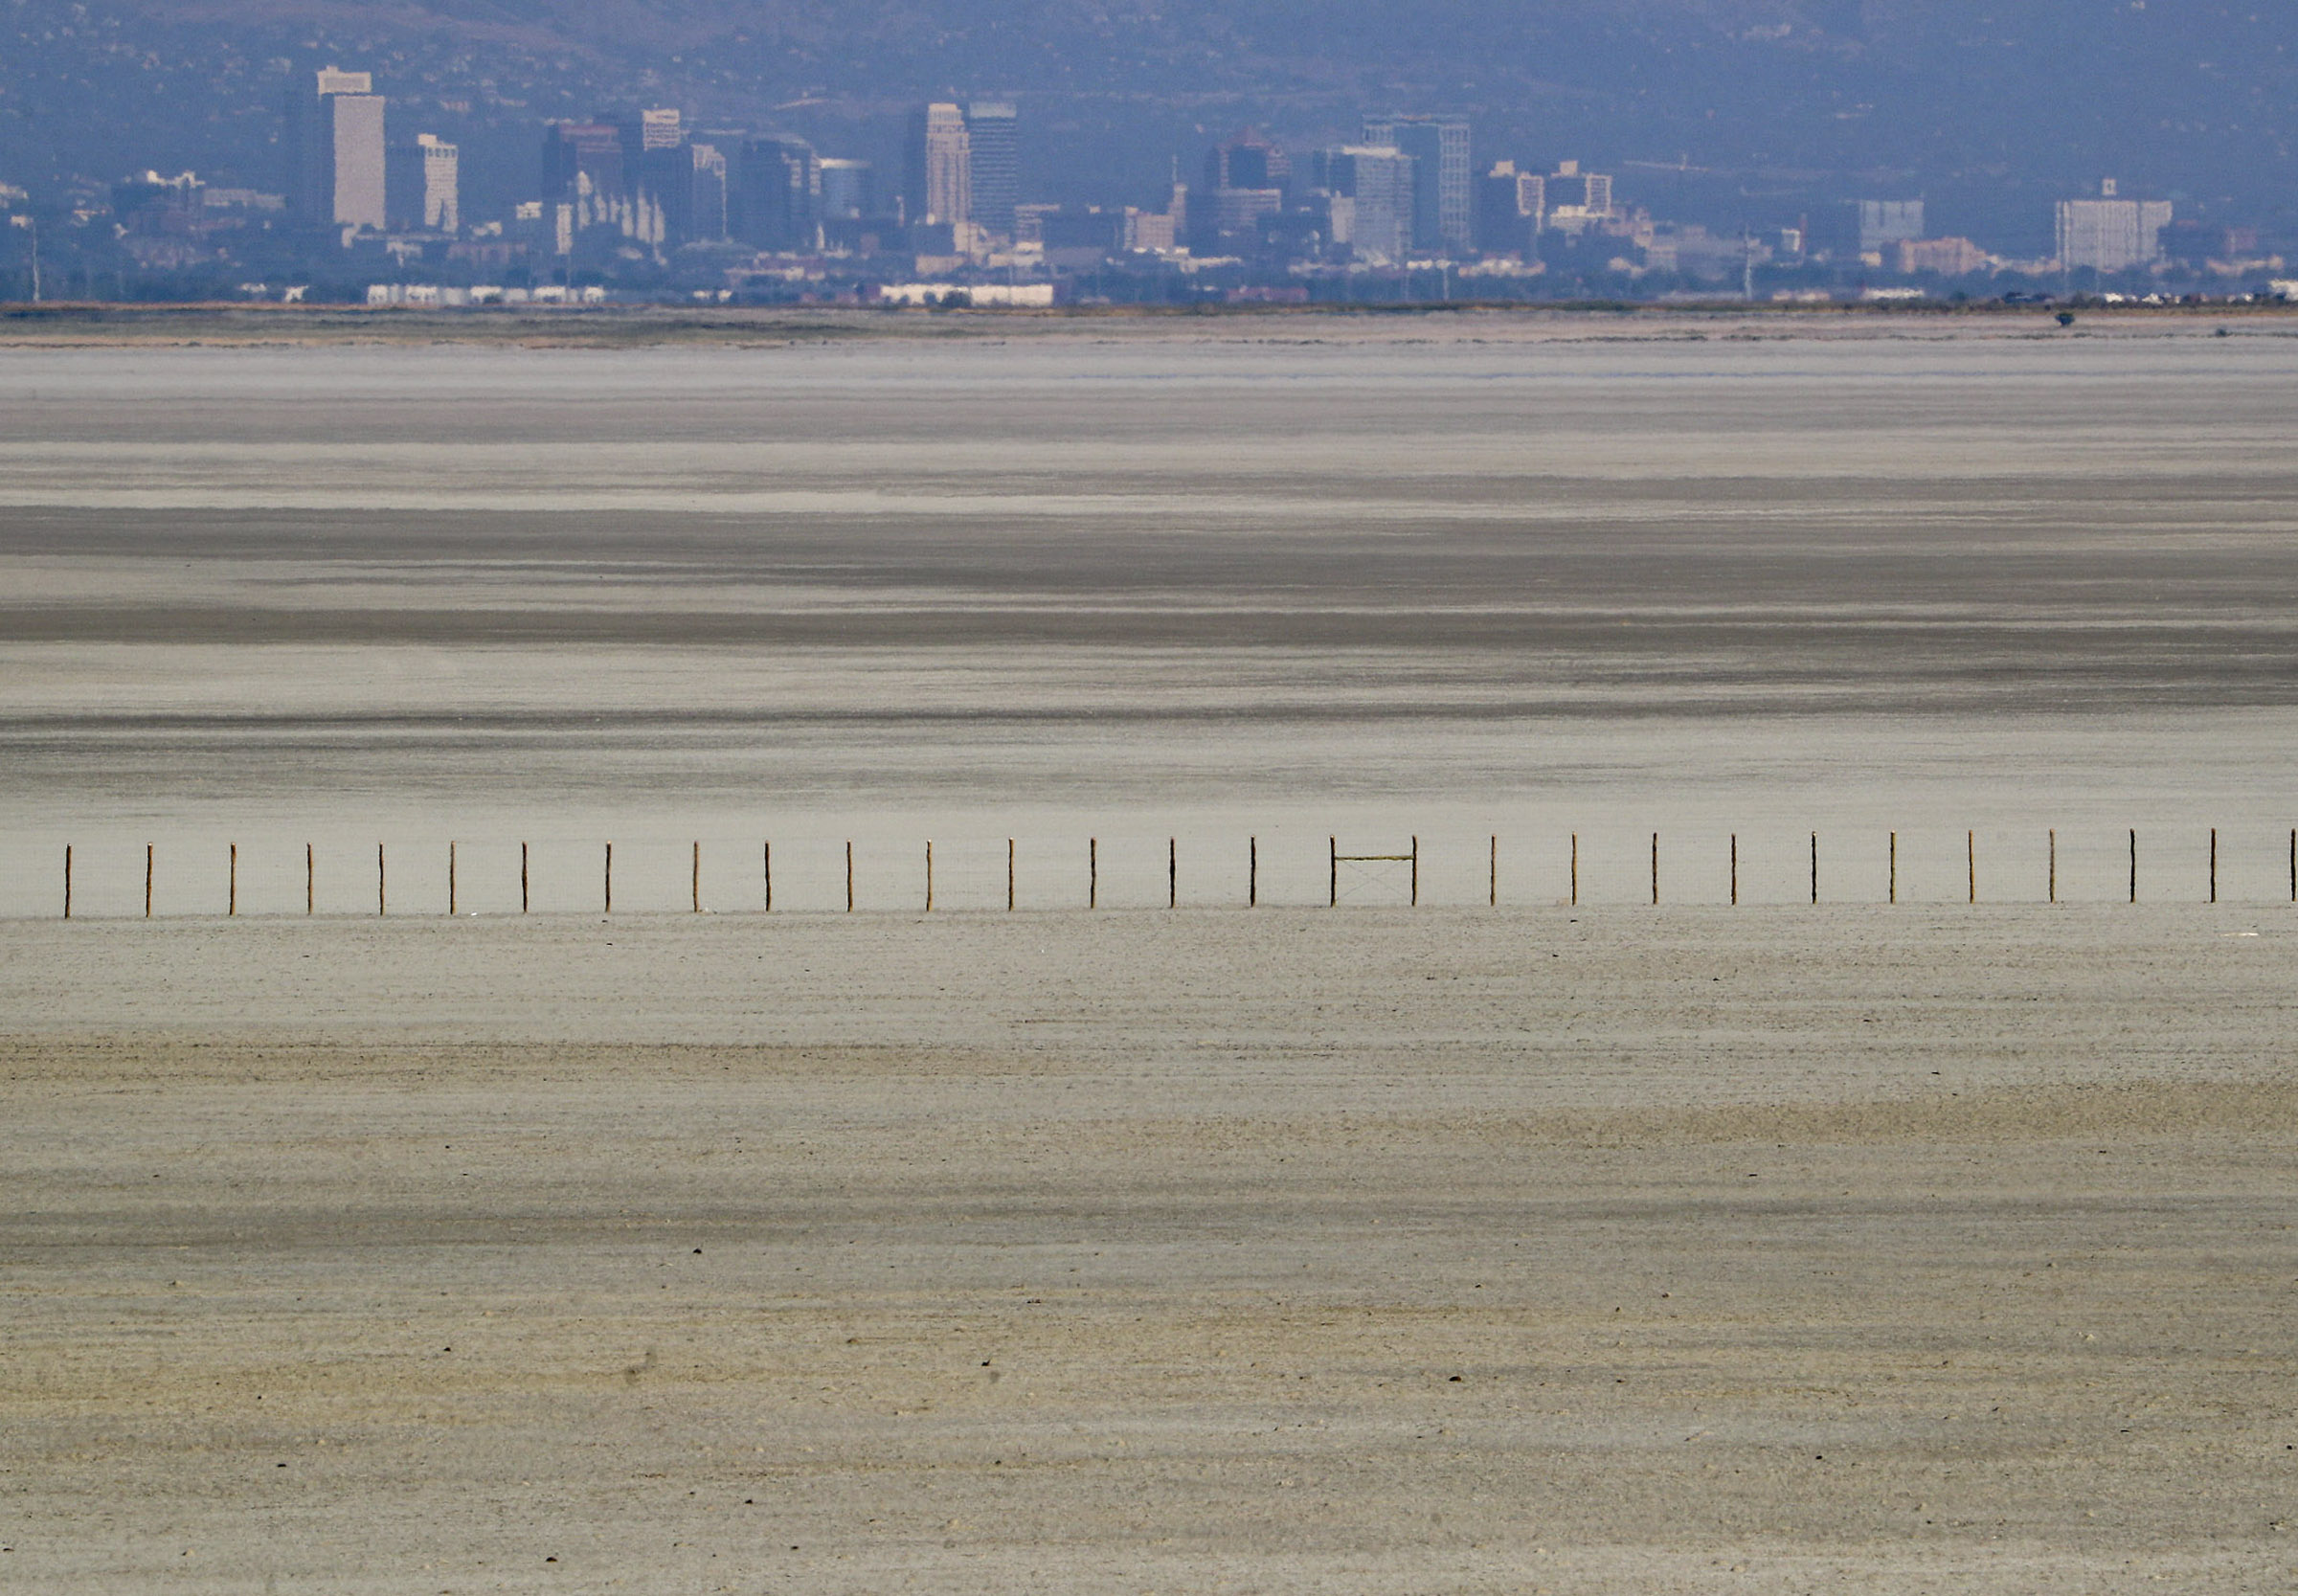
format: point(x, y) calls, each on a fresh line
point(1286, 1250)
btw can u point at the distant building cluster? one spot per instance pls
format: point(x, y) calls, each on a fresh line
point(649, 202)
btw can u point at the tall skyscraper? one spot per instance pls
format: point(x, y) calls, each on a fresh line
point(1373, 185)
point(940, 189)
point(706, 206)
point(994, 161)
point(776, 193)
point(581, 158)
point(336, 151)
point(1443, 209)
point(443, 187)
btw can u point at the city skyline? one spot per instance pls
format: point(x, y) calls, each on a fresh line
point(372, 189)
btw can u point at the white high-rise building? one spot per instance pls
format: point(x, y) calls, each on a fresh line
point(442, 194)
point(1438, 148)
point(354, 123)
point(1532, 198)
point(940, 185)
point(336, 172)
point(2110, 233)
point(1377, 182)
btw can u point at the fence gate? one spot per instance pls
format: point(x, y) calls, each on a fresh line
point(1339, 858)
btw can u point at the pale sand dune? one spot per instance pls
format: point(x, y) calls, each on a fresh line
point(1140, 1251)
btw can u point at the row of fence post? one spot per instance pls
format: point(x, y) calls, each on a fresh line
point(1093, 900)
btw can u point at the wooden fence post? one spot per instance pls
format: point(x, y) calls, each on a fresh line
point(610, 879)
point(148, 851)
point(231, 898)
point(1253, 872)
point(1656, 870)
point(1894, 887)
point(67, 880)
point(766, 869)
point(1092, 872)
point(2134, 864)
point(1971, 852)
point(1416, 872)
point(1009, 875)
point(2214, 864)
point(1496, 870)
point(310, 880)
point(450, 877)
point(850, 875)
point(1735, 869)
point(1172, 872)
point(929, 875)
point(524, 899)
point(1815, 866)
point(1333, 847)
point(2054, 864)
point(382, 903)
point(1575, 869)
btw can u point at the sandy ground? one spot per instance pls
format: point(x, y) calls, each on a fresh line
point(1936, 1248)
point(1259, 1252)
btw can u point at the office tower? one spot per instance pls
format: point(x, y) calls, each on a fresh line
point(1372, 206)
point(939, 187)
point(774, 190)
point(658, 167)
point(1442, 205)
point(1596, 190)
point(1244, 182)
point(338, 175)
point(706, 201)
point(442, 189)
point(1248, 160)
point(1532, 199)
point(2110, 233)
point(1884, 222)
point(993, 143)
point(582, 159)
point(1510, 207)
point(355, 131)
point(849, 189)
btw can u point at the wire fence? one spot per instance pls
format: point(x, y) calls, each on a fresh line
point(813, 874)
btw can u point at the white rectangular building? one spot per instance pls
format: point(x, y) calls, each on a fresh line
point(355, 137)
point(443, 197)
point(2110, 235)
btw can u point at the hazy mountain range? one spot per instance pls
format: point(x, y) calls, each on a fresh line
point(1991, 107)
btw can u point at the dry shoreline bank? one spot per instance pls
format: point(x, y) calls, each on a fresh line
point(99, 326)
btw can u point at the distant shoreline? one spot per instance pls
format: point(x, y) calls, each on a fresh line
point(106, 324)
